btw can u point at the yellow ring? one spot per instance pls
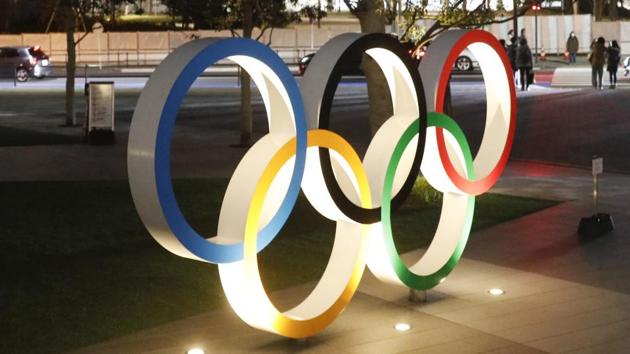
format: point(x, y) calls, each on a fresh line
point(251, 302)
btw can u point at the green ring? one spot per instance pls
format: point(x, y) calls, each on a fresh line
point(410, 279)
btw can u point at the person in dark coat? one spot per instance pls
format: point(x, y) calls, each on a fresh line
point(597, 59)
point(614, 57)
point(524, 62)
point(511, 53)
point(573, 45)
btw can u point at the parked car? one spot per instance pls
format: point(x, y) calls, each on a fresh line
point(24, 62)
point(463, 63)
point(352, 69)
point(303, 64)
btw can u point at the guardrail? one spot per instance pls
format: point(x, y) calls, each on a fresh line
point(128, 58)
point(13, 77)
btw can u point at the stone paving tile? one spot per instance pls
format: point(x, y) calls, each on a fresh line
point(481, 343)
point(613, 346)
point(561, 325)
point(515, 349)
point(563, 293)
point(414, 341)
point(584, 338)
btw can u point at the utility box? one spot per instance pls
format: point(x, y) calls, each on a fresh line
point(100, 109)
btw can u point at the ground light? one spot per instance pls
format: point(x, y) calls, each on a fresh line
point(195, 351)
point(496, 292)
point(402, 327)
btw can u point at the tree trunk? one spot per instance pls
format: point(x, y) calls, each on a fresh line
point(515, 19)
point(613, 12)
point(246, 90)
point(112, 9)
point(576, 7)
point(380, 103)
point(598, 9)
point(68, 18)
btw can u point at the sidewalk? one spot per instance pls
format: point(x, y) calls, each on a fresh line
point(563, 293)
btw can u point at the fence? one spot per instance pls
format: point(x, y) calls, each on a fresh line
point(553, 31)
point(149, 48)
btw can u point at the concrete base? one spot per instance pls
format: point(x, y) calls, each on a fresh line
point(581, 76)
point(417, 296)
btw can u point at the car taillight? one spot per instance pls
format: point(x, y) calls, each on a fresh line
point(32, 60)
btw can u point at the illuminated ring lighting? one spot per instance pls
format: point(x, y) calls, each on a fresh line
point(454, 226)
point(241, 280)
point(150, 140)
point(358, 196)
point(496, 143)
point(318, 87)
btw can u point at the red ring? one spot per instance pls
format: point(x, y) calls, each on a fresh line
point(481, 185)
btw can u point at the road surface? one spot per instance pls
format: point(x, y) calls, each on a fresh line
point(561, 126)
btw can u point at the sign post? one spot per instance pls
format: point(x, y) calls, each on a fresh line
point(97, 28)
point(598, 223)
point(100, 127)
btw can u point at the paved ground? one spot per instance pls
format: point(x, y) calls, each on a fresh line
point(562, 293)
point(561, 126)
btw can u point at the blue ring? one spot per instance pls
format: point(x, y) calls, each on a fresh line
point(195, 243)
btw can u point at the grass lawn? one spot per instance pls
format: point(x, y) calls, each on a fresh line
point(10, 136)
point(77, 266)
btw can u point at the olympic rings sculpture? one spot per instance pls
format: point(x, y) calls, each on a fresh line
point(300, 153)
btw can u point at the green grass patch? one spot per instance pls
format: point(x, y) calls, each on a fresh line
point(10, 136)
point(77, 266)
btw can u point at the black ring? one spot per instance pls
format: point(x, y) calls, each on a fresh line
point(318, 93)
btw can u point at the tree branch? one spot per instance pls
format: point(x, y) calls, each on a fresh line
point(436, 25)
point(411, 23)
point(52, 16)
point(262, 31)
point(519, 13)
point(352, 6)
point(81, 38)
point(270, 35)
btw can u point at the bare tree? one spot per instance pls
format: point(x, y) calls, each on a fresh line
point(373, 15)
point(71, 14)
point(250, 14)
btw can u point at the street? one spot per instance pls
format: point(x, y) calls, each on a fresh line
point(560, 126)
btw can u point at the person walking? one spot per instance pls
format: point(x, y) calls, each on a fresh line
point(573, 45)
point(597, 59)
point(614, 57)
point(511, 53)
point(524, 61)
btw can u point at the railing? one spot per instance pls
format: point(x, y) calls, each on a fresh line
point(12, 76)
point(148, 57)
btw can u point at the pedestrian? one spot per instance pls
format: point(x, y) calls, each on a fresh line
point(597, 60)
point(524, 61)
point(511, 53)
point(614, 57)
point(573, 45)
point(522, 35)
point(502, 41)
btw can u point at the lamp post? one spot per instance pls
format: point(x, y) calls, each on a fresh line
point(536, 9)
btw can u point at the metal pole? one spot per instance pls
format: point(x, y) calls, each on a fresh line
point(535, 36)
point(595, 189)
point(312, 34)
point(398, 19)
point(100, 60)
point(515, 19)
